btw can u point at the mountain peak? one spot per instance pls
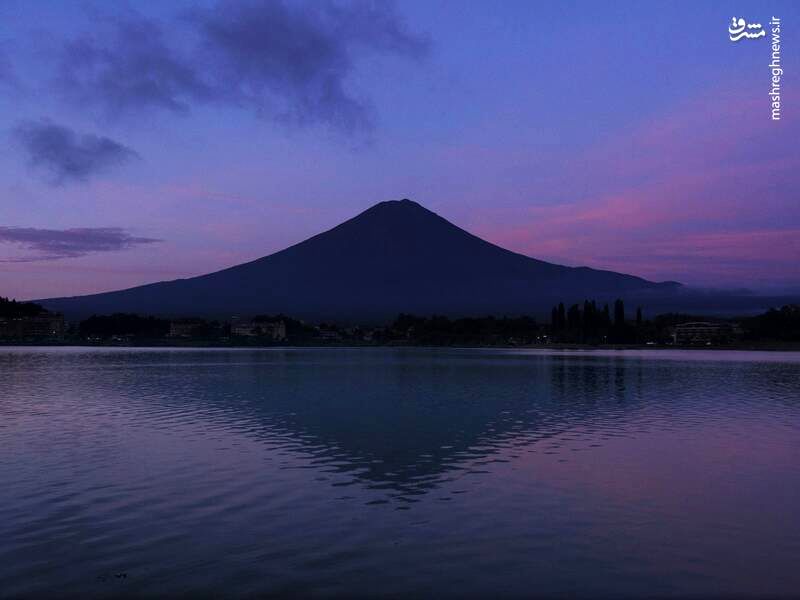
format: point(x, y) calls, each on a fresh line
point(405, 203)
point(395, 214)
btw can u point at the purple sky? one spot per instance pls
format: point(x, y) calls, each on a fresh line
point(153, 141)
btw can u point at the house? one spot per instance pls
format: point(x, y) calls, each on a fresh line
point(329, 335)
point(274, 330)
point(703, 333)
point(185, 327)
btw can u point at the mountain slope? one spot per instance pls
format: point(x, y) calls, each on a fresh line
point(395, 257)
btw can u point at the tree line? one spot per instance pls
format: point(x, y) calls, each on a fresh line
point(588, 324)
point(11, 309)
point(581, 323)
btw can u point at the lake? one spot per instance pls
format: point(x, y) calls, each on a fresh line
point(401, 472)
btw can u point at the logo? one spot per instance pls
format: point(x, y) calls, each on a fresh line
point(739, 28)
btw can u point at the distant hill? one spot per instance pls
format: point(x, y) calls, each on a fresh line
point(394, 257)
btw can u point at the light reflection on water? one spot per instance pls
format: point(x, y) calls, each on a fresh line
point(398, 471)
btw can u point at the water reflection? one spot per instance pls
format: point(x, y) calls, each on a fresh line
point(404, 421)
point(400, 472)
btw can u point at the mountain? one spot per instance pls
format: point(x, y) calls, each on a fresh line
point(394, 257)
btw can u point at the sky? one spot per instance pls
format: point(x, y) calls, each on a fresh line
point(149, 141)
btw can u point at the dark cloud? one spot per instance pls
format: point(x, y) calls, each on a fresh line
point(286, 61)
point(64, 155)
point(128, 69)
point(50, 244)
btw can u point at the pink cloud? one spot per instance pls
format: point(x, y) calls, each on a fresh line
point(703, 196)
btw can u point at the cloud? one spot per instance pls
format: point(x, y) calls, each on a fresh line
point(290, 62)
point(682, 196)
point(51, 244)
point(128, 69)
point(64, 155)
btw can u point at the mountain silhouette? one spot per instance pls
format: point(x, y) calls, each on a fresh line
point(394, 257)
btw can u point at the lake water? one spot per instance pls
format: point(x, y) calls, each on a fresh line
point(414, 472)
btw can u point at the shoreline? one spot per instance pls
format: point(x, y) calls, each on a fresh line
point(752, 347)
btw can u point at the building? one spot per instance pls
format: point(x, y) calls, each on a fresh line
point(46, 326)
point(274, 330)
point(329, 335)
point(703, 333)
point(185, 327)
point(243, 329)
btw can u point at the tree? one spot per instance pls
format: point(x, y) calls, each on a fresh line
point(105, 326)
point(590, 324)
point(606, 316)
point(574, 319)
point(639, 316)
point(14, 309)
point(619, 313)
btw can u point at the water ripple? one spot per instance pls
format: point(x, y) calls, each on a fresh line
point(154, 472)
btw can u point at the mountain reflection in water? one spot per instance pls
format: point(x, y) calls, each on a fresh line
point(290, 471)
